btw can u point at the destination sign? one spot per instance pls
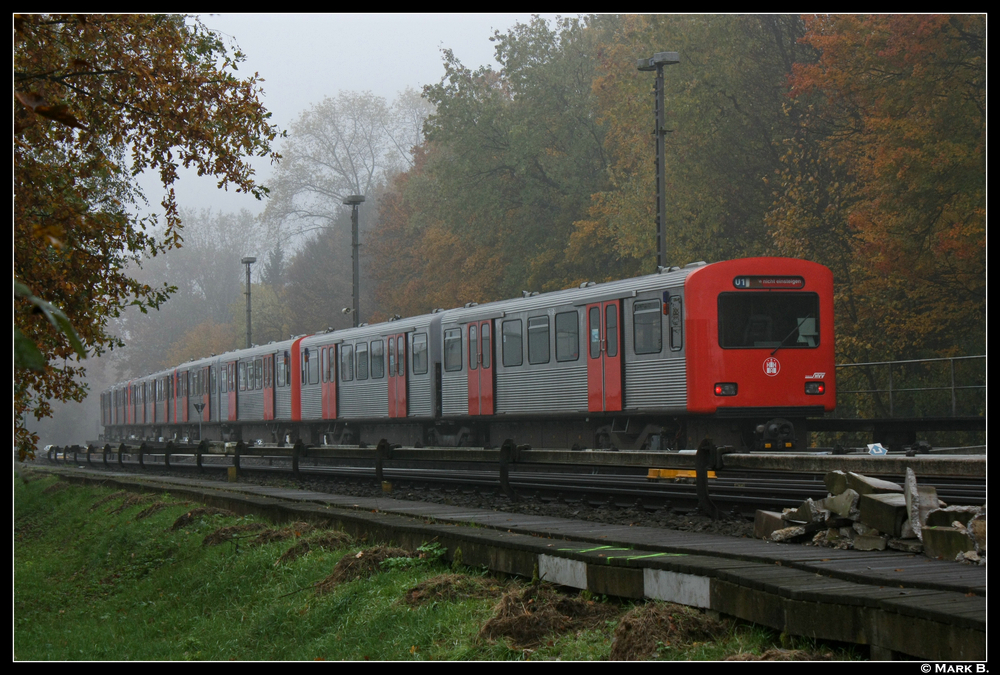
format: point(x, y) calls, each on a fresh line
point(768, 282)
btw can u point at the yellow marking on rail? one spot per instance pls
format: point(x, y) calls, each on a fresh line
point(675, 473)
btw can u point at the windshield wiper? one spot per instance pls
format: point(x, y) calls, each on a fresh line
point(797, 326)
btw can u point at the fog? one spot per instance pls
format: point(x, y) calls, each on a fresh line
point(303, 59)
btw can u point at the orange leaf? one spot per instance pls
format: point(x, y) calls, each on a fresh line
point(59, 113)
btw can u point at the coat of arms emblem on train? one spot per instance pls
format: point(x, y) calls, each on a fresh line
point(771, 366)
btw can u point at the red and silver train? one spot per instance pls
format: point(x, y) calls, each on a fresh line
point(741, 352)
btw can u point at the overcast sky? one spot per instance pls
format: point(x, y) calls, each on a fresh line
point(306, 57)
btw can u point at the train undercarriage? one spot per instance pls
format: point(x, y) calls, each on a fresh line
point(652, 433)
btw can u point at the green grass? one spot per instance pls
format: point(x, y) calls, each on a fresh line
point(95, 581)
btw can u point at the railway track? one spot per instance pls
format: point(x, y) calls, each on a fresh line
point(735, 493)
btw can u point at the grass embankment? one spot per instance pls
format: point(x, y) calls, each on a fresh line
point(106, 575)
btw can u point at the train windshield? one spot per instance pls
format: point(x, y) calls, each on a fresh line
point(768, 320)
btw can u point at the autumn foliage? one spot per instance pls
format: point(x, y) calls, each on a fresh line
point(97, 100)
point(855, 141)
point(886, 179)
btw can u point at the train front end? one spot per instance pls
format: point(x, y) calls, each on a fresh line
point(760, 343)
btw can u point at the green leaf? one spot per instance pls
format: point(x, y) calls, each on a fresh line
point(55, 316)
point(26, 354)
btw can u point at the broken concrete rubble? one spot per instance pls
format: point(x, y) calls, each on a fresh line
point(866, 485)
point(808, 512)
point(866, 513)
point(844, 504)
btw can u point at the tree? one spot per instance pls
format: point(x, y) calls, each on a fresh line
point(344, 145)
point(513, 156)
point(98, 100)
point(723, 105)
point(891, 155)
point(318, 280)
point(208, 279)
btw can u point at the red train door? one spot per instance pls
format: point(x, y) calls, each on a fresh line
point(604, 356)
point(328, 372)
point(269, 386)
point(231, 381)
point(480, 336)
point(185, 381)
point(397, 375)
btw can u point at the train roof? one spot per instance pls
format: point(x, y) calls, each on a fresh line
point(382, 329)
point(582, 295)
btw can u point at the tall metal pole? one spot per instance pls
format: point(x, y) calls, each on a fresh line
point(657, 62)
point(353, 201)
point(248, 261)
point(661, 173)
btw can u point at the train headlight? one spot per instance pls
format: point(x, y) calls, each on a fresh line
point(815, 388)
point(725, 389)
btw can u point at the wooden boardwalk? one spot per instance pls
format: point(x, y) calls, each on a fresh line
point(901, 605)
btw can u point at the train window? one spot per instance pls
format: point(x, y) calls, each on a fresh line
point(453, 349)
point(324, 366)
point(362, 351)
point(611, 329)
point(513, 347)
point(401, 360)
point(346, 363)
point(487, 345)
point(595, 332)
point(258, 367)
point(378, 359)
point(768, 320)
point(420, 353)
point(676, 323)
point(314, 370)
point(392, 357)
point(647, 326)
point(305, 366)
point(243, 375)
point(568, 336)
point(473, 347)
point(538, 339)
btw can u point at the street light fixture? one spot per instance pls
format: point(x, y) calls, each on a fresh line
point(249, 260)
point(353, 201)
point(656, 62)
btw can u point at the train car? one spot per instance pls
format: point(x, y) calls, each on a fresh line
point(741, 352)
point(761, 349)
point(371, 380)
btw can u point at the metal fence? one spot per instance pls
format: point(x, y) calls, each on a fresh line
point(941, 387)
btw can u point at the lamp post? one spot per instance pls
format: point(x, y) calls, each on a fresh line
point(656, 62)
point(353, 201)
point(199, 407)
point(249, 260)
